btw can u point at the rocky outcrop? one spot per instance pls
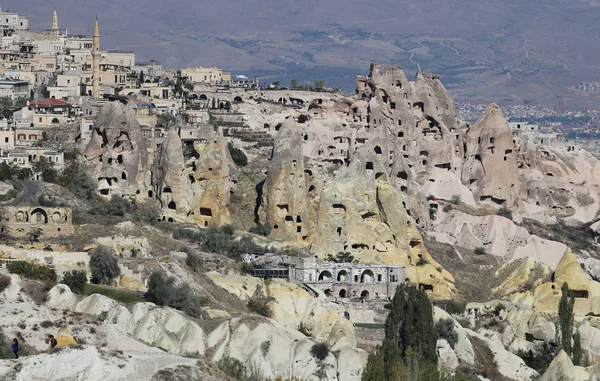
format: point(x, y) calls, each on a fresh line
point(171, 179)
point(158, 326)
point(272, 350)
point(287, 211)
point(585, 290)
point(497, 235)
point(362, 213)
point(490, 169)
point(210, 182)
point(562, 368)
point(293, 307)
point(118, 154)
point(93, 364)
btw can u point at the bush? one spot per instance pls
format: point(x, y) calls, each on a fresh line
point(456, 199)
point(422, 262)
point(195, 261)
point(246, 268)
point(232, 367)
point(146, 213)
point(444, 329)
point(479, 251)
point(76, 280)
point(505, 212)
point(163, 291)
point(116, 206)
point(222, 242)
point(261, 230)
point(33, 271)
point(320, 351)
point(78, 181)
point(260, 306)
point(104, 265)
point(4, 282)
point(499, 308)
point(453, 307)
point(447, 208)
point(237, 155)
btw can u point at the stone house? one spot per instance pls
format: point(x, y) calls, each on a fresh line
point(51, 222)
point(349, 280)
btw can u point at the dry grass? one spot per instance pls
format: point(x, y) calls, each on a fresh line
point(474, 274)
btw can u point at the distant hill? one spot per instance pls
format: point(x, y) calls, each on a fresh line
point(510, 51)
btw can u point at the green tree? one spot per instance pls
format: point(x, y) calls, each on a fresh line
point(78, 181)
point(320, 84)
point(104, 265)
point(237, 155)
point(166, 120)
point(46, 168)
point(293, 83)
point(409, 347)
point(565, 318)
point(141, 80)
point(375, 369)
point(76, 280)
point(577, 350)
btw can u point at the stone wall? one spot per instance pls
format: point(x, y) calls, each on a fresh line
point(50, 222)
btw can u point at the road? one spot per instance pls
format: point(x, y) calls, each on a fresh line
point(30, 188)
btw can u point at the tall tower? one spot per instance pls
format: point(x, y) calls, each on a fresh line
point(96, 61)
point(54, 22)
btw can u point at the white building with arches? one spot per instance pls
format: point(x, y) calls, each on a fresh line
point(349, 280)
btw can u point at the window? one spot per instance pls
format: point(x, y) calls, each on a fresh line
point(5, 140)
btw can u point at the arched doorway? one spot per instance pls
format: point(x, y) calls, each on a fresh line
point(39, 216)
point(238, 99)
point(342, 293)
point(364, 294)
point(367, 276)
point(325, 276)
point(342, 276)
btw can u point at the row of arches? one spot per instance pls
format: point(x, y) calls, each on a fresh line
point(367, 276)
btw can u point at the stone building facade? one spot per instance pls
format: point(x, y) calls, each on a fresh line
point(349, 280)
point(51, 222)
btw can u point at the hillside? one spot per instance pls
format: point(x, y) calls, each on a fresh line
point(508, 51)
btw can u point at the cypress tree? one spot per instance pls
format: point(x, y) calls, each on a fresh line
point(375, 369)
point(577, 350)
point(565, 318)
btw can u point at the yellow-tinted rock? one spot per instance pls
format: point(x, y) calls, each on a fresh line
point(133, 284)
point(64, 338)
point(586, 291)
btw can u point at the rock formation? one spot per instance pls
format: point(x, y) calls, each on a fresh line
point(210, 182)
point(491, 164)
point(171, 179)
point(288, 212)
point(118, 154)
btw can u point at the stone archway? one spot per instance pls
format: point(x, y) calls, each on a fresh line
point(342, 293)
point(39, 216)
point(364, 294)
point(342, 276)
point(367, 276)
point(325, 276)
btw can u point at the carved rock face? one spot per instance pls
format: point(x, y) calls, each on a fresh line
point(491, 163)
point(117, 153)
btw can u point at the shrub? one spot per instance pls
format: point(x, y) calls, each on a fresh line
point(232, 367)
point(78, 181)
point(116, 206)
point(456, 199)
point(422, 262)
point(499, 308)
point(146, 213)
point(237, 155)
point(33, 271)
point(479, 251)
point(76, 280)
point(194, 261)
point(505, 212)
point(4, 282)
point(260, 230)
point(320, 351)
point(104, 265)
point(447, 208)
point(163, 291)
point(246, 268)
point(444, 329)
point(222, 242)
point(453, 307)
point(260, 306)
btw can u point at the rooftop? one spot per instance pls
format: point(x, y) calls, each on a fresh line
point(49, 102)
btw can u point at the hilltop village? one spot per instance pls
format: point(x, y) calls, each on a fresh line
point(186, 225)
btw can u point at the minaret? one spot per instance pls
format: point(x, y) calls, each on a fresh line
point(54, 22)
point(96, 62)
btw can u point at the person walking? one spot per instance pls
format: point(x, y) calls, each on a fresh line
point(52, 341)
point(15, 347)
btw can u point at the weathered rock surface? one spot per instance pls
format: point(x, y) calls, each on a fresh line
point(273, 350)
point(118, 154)
point(491, 162)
